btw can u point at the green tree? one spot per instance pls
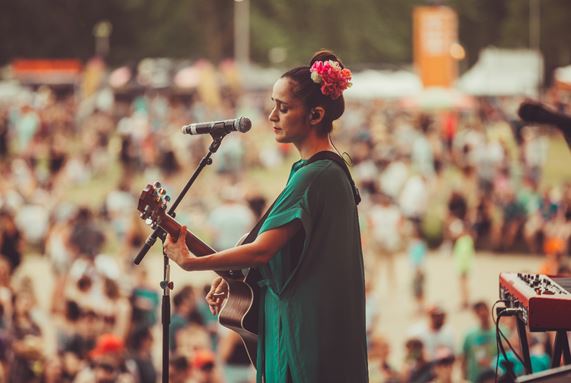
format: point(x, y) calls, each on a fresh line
point(362, 32)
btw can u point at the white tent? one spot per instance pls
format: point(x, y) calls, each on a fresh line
point(373, 84)
point(502, 72)
point(11, 92)
point(255, 78)
point(563, 77)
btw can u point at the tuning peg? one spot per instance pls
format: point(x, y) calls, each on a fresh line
point(167, 198)
point(162, 191)
point(157, 184)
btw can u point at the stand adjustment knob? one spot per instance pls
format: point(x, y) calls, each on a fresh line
point(164, 284)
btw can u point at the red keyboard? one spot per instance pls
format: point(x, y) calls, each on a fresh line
point(546, 301)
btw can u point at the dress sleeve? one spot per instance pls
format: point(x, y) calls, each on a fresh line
point(292, 204)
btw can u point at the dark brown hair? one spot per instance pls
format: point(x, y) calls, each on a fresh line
point(310, 92)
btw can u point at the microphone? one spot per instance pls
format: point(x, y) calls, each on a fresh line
point(241, 124)
point(536, 112)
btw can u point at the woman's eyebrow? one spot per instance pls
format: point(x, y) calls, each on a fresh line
point(278, 100)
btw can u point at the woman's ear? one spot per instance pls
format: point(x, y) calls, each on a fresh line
point(316, 115)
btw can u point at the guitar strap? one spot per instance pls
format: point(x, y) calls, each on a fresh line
point(327, 155)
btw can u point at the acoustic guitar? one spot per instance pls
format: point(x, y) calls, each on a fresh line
point(240, 311)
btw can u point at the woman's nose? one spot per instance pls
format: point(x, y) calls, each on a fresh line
point(273, 115)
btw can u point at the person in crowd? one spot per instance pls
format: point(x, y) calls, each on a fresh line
point(80, 338)
point(417, 251)
point(185, 312)
point(192, 337)
point(6, 293)
point(4, 134)
point(180, 369)
point(443, 366)
point(386, 224)
point(231, 219)
point(463, 252)
point(413, 198)
point(117, 311)
point(554, 262)
point(483, 222)
point(513, 218)
point(379, 367)
point(140, 350)
point(479, 347)
point(86, 237)
point(144, 300)
point(108, 363)
point(237, 367)
point(11, 239)
point(59, 252)
point(27, 339)
point(416, 368)
point(296, 253)
point(204, 367)
point(26, 123)
point(118, 204)
point(434, 333)
point(457, 209)
point(421, 151)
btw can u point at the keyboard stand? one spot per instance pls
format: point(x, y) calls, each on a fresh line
point(522, 333)
point(561, 346)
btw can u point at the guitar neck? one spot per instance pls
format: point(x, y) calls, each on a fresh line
point(194, 244)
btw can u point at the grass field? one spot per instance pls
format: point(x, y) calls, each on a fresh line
point(557, 170)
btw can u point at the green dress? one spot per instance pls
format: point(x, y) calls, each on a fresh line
point(312, 312)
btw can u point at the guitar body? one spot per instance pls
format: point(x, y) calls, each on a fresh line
point(240, 311)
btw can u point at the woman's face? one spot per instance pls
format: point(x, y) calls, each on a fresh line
point(289, 117)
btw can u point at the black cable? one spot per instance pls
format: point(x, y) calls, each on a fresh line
point(499, 335)
point(345, 156)
point(498, 339)
point(516, 311)
point(502, 349)
point(494, 306)
point(512, 347)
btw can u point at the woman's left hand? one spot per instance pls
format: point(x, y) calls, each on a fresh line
point(177, 249)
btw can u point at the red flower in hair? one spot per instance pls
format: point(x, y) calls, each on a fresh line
point(333, 79)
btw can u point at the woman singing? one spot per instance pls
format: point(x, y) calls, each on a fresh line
point(308, 250)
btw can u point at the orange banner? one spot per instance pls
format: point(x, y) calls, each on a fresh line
point(28, 66)
point(46, 71)
point(435, 31)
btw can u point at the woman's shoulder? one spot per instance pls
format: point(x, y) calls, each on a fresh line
point(320, 172)
point(325, 167)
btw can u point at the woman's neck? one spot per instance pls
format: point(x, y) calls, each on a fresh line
point(313, 144)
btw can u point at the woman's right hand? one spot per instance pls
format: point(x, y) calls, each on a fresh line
point(217, 294)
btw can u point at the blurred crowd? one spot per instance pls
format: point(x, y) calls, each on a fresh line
point(455, 181)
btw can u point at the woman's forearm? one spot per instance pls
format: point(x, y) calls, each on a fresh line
point(249, 255)
point(252, 254)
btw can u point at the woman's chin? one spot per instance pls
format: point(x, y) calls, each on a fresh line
point(281, 139)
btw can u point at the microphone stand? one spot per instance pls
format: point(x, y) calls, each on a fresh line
point(158, 232)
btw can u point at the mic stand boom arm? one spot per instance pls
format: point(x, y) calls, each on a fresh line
point(158, 232)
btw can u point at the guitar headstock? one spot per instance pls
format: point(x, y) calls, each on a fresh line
point(153, 204)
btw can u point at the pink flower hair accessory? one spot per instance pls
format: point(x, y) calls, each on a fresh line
point(333, 79)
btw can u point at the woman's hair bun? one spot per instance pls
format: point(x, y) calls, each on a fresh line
point(325, 55)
